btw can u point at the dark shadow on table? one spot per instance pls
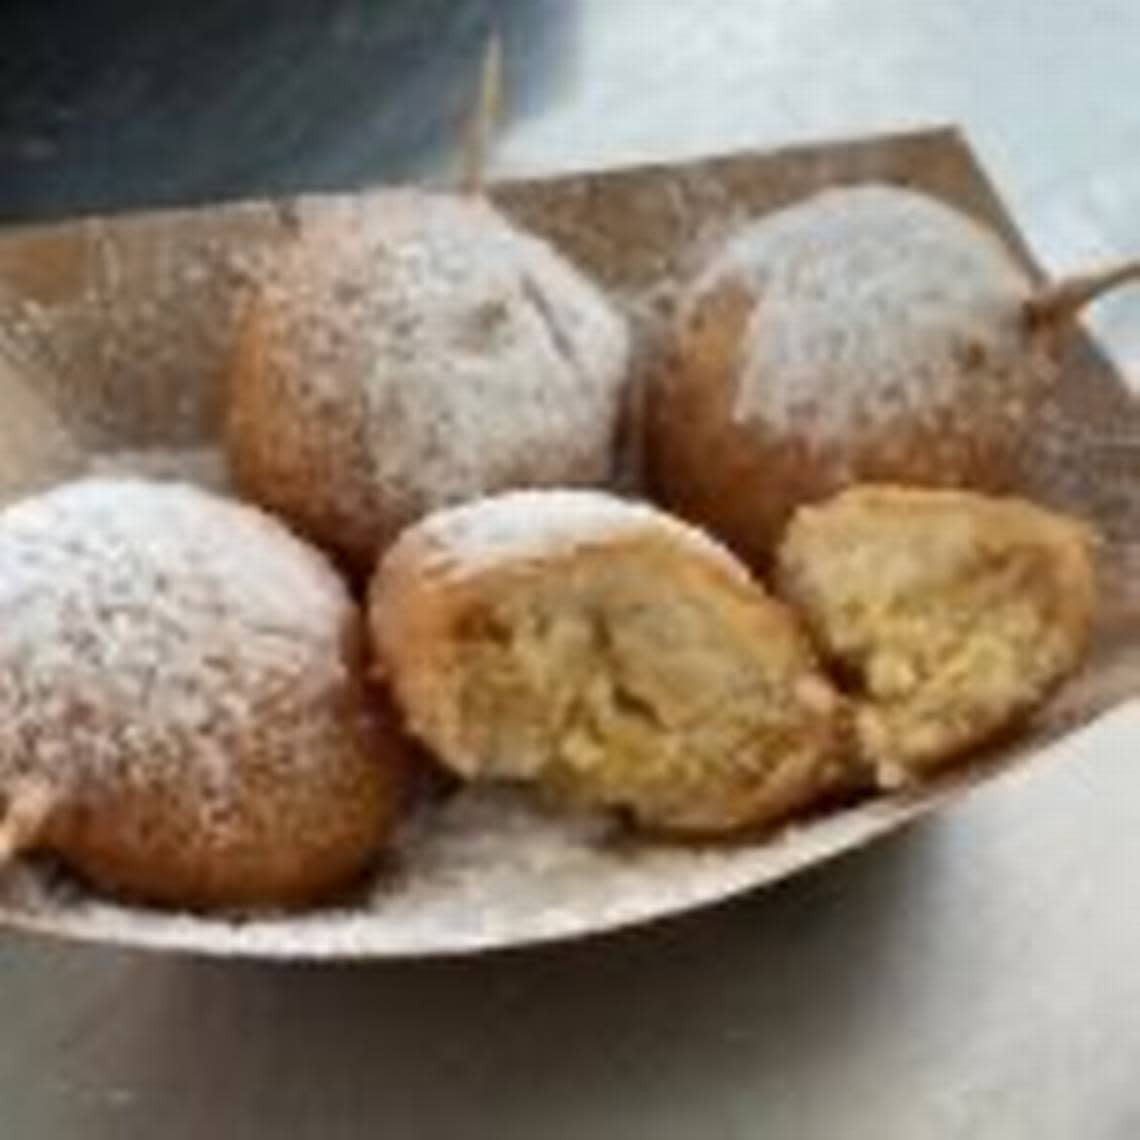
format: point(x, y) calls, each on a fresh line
point(125, 104)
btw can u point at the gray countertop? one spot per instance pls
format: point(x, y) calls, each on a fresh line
point(977, 976)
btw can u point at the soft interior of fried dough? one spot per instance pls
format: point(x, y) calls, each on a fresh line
point(950, 624)
point(684, 699)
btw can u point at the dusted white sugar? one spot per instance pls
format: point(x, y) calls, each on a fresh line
point(537, 524)
point(141, 623)
point(452, 353)
point(871, 302)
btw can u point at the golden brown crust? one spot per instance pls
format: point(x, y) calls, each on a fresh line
point(734, 478)
point(953, 614)
point(313, 474)
point(634, 670)
point(279, 843)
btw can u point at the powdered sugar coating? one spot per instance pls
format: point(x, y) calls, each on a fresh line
point(533, 525)
point(105, 586)
point(416, 350)
point(872, 302)
point(165, 648)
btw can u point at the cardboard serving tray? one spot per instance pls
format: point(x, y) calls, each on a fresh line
point(114, 338)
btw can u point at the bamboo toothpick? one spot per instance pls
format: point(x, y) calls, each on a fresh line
point(1064, 300)
point(485, 117)
point(28, 805)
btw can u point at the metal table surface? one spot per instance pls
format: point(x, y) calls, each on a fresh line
point(978, 975)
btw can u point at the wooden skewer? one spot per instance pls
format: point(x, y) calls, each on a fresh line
point(28, 805)
point(1064, 300)
point(484, 117)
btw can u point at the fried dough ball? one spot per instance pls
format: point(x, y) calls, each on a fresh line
point(412, 350)
point(183, 717)
point(953, 614)
point(867, 334)
point(605, 652)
